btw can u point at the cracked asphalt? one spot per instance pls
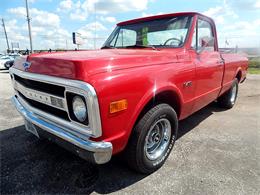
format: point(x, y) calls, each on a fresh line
point(217, 152)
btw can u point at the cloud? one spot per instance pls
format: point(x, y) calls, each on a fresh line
point(90, 37)
point(219, 13)
point(18, 11)
point(257, 4)
point(243, 29)
point(249, 5)
point(14, 34)
point(11, 25)
point(109, 19)
point(46, 29)
point(216, 13)
point(73, 9)
point(92, 27)
point(66, 5)
point(39, 17)
point(241, 34)
point(229, 15)
point(78, 15)
point(236, 31)
point(44, 18)
point(114, 6)
point(80, 10)
point(144, 14)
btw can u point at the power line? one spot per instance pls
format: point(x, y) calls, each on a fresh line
point(95, 10)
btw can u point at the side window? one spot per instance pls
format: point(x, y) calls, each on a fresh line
point(125, 38)
point(205, 36)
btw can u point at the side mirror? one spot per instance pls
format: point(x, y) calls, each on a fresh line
point(206, 43)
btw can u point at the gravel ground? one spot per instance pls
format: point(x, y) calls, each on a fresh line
point(217, 152)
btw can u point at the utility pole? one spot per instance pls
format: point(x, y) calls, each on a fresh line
point(6, 35)
point(95, 12)
point(29, 25)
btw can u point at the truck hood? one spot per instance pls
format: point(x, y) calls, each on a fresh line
point(81, 64)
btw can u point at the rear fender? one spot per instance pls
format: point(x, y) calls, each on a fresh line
point(238, 71)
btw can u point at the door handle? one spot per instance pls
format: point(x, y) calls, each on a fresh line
point(220, 61)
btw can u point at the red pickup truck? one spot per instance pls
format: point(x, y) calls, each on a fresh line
point(129, 95)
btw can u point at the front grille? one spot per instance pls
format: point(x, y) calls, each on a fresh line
point(46, 97)
point(45, 108)
point(51, 100)
point(40, 86)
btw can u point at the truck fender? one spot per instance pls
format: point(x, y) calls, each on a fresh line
point(146, 99)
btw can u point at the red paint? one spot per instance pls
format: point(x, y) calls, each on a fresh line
point(139, 74)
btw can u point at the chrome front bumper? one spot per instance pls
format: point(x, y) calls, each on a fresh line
point(95, 152)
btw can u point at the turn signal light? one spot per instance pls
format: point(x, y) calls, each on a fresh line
point(118, 106)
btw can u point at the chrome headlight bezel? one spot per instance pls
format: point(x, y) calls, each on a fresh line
point(81, 101)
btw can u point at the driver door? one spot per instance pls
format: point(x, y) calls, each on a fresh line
point(209, 66)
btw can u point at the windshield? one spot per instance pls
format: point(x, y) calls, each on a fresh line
point(170, 32)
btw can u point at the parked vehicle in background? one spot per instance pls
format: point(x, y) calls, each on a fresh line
point(14, 55)
point(7, 61)
point(128, 96)
point(9, 64)
point(3, 60)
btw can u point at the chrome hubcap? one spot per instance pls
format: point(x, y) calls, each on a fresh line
point(157, 139)
point(233, 94)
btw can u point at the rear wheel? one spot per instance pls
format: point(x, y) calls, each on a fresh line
point(152, 139)
point(228, 99)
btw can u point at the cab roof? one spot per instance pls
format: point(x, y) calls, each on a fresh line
point(149, 18)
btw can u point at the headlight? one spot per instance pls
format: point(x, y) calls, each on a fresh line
point(79, 108)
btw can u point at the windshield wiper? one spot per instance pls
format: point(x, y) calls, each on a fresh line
point(108, 47)
point(141, 46)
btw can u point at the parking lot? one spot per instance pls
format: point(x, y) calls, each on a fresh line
point(217, 152)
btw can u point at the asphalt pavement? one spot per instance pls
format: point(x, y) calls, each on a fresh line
point(217, 152)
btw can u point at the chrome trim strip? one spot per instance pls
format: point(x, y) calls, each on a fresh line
point(102, 151)
point(74, 86)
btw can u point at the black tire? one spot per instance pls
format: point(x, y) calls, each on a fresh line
point(136, 152)
point(228, 99)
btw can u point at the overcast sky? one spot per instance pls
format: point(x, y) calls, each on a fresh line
point(53, 21)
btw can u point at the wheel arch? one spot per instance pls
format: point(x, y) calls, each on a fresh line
point(170, 97)
point(151, 98)
point(238, 75)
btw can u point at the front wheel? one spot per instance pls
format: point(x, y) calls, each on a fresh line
point(152, 139)
point(228, 99)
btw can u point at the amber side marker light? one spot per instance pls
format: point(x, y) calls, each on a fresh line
point(118, 106)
